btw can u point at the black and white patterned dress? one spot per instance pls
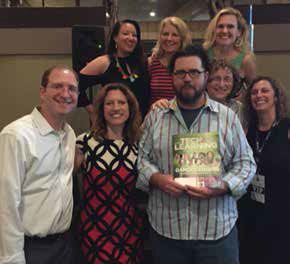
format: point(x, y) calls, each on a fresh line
point(111, 228)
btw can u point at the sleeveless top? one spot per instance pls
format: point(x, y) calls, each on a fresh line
point(160, 81)
point(236, 62)
point(139, 87)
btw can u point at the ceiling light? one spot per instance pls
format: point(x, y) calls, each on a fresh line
point(152, 14)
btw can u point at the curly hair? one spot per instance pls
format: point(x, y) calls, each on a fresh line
point(182, 30)
point(242, 43)
point(222, 64)
point(281, 103)
point(131, 131)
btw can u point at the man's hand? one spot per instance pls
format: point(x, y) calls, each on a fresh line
point(166, 183)
point(206, 192)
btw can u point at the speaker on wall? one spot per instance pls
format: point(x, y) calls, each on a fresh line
point(88, 42)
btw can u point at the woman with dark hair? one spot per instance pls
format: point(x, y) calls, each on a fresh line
point(124, 63)
point(265, 209)
point(224, 85)
point(111, 226)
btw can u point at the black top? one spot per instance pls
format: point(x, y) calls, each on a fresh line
point(189, 115)
point(140, 86)
point(266, 226)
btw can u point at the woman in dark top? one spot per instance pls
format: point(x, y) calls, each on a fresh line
point(123, 63)
point(111, 227)
point(265, 209)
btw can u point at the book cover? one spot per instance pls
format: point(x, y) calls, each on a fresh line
point(196, 160)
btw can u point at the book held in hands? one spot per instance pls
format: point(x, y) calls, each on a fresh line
point(196, 160)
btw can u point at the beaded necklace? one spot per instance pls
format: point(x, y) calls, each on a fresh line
point(131, 76)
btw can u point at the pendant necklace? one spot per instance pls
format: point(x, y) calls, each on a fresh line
point(131, 76)
point(260, 145)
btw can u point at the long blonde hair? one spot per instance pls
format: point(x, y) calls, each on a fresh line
point(241, 43)
point(182, 29)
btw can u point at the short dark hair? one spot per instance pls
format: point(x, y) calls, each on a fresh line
point(47, 72)
point(281, 104)
point(132, 129)
point(192, 50)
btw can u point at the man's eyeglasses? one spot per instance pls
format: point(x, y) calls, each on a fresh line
point(194, 73)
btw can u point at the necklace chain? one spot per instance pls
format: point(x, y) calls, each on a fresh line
point(260, 147)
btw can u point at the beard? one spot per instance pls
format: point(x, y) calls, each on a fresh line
point(189, 99)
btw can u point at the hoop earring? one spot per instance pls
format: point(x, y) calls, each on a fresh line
point(238, 42)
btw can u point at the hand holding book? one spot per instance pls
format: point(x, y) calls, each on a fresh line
point(167, 184)
point(196, 160)
point(207, 192)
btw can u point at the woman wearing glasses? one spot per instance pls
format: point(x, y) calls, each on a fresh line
point(224, 85)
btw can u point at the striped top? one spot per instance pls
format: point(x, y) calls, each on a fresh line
point(184, 217)
point(160, 81)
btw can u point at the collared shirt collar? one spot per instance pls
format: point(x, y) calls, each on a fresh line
point(209, 103)
point(42, 125)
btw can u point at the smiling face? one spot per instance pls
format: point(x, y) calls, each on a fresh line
point(126, 40)
point(263, 98)
point(59, 97)
point(170, 40)
point(220, 84)
point(116, 109)
point(227, 30)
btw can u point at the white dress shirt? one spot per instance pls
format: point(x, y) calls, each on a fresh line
point(36, 164)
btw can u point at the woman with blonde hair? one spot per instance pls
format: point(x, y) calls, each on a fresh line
point(174, 35)
point(226, 38)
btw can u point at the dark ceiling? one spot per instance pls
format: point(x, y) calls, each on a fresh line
point(140, 9)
